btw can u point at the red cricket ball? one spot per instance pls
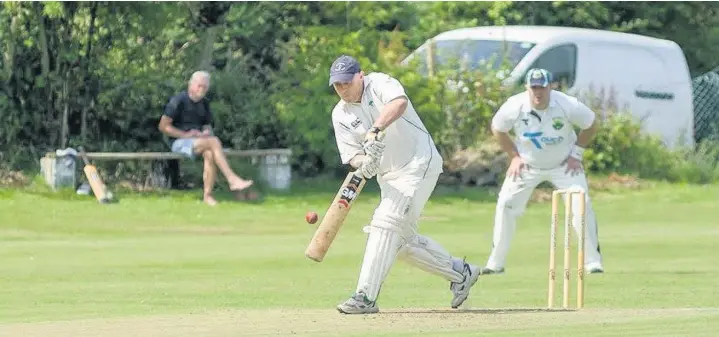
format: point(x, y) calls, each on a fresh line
point(311, 217)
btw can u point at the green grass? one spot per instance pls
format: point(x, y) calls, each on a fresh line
point(165, 261)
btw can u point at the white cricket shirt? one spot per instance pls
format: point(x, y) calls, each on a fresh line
point(409, 148)
point(544, 139)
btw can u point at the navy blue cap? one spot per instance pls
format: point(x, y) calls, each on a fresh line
point(344, 69)
point(538, 78)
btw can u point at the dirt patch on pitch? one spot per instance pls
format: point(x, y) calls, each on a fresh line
point(293, 322)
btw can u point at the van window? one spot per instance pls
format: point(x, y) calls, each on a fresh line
point(472, 54)
point(561, 61)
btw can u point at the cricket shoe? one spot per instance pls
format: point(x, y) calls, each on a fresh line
point(594, 268)
point(358, 304)
point(490, 271)
point(461, 289)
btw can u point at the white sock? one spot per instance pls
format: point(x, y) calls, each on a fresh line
point(458, 265)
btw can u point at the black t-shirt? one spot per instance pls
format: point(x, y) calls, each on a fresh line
point(187, 114)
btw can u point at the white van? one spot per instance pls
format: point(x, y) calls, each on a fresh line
point(648, 76)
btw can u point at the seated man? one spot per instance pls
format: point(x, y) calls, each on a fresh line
point(187, 122)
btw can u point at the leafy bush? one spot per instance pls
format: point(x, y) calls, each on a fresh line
point(304, 100)
point(621, 146)
point(243, 115)
point(699, 166)
point(461, 104)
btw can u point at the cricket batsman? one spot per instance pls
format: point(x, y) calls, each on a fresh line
point(545, 148)
point(407, 166)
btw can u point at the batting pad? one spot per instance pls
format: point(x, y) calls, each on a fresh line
point(394, 211)
point(428, 255)
point(380, 253)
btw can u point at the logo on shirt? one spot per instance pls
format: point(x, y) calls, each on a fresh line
point(356, 123)
point(534, 138)
point(557, 123)
point(538, 139)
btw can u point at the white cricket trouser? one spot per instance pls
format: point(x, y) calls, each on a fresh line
point(512, 201)
point(392, 234)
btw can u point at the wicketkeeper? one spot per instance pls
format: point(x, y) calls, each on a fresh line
point(407, 165)
point(545, 148)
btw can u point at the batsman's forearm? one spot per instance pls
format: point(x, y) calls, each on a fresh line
point(506, 143)
point(585, 136)
point(390, 113)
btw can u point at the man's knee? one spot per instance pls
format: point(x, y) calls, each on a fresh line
point(209, 143)
point(208, 156)
point(215, 142)
point(395, 212)
point(394, 222)
point(509, 205)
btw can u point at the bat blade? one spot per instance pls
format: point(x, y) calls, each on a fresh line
point(335, 216)
point(99, 189)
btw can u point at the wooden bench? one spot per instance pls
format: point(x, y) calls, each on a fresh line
point(275, 169)
point(172, 155)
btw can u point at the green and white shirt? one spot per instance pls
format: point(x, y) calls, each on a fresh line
point(544, 139)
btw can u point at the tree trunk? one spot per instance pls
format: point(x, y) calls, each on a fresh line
point(45, 65)
point(88, 60)
point(65, 67)
point(208, 48)
point(9, 55)
point(65, 111)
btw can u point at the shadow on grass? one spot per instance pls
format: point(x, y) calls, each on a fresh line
point(477, 311)
point(317, 188)
point(321, 188)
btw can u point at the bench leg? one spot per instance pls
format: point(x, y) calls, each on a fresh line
point(173, 173)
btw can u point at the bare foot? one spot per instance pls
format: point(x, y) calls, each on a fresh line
point(209, 200)
point(240, 185)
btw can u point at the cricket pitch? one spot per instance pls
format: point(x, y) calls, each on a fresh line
point(292, 322)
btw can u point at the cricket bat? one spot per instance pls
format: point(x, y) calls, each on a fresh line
point(335, 216)
point(93, 177)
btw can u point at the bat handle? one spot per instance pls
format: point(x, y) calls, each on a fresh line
point(82, 154)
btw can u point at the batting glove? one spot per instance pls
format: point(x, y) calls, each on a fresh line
point(369, 167)
point(373, 145)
